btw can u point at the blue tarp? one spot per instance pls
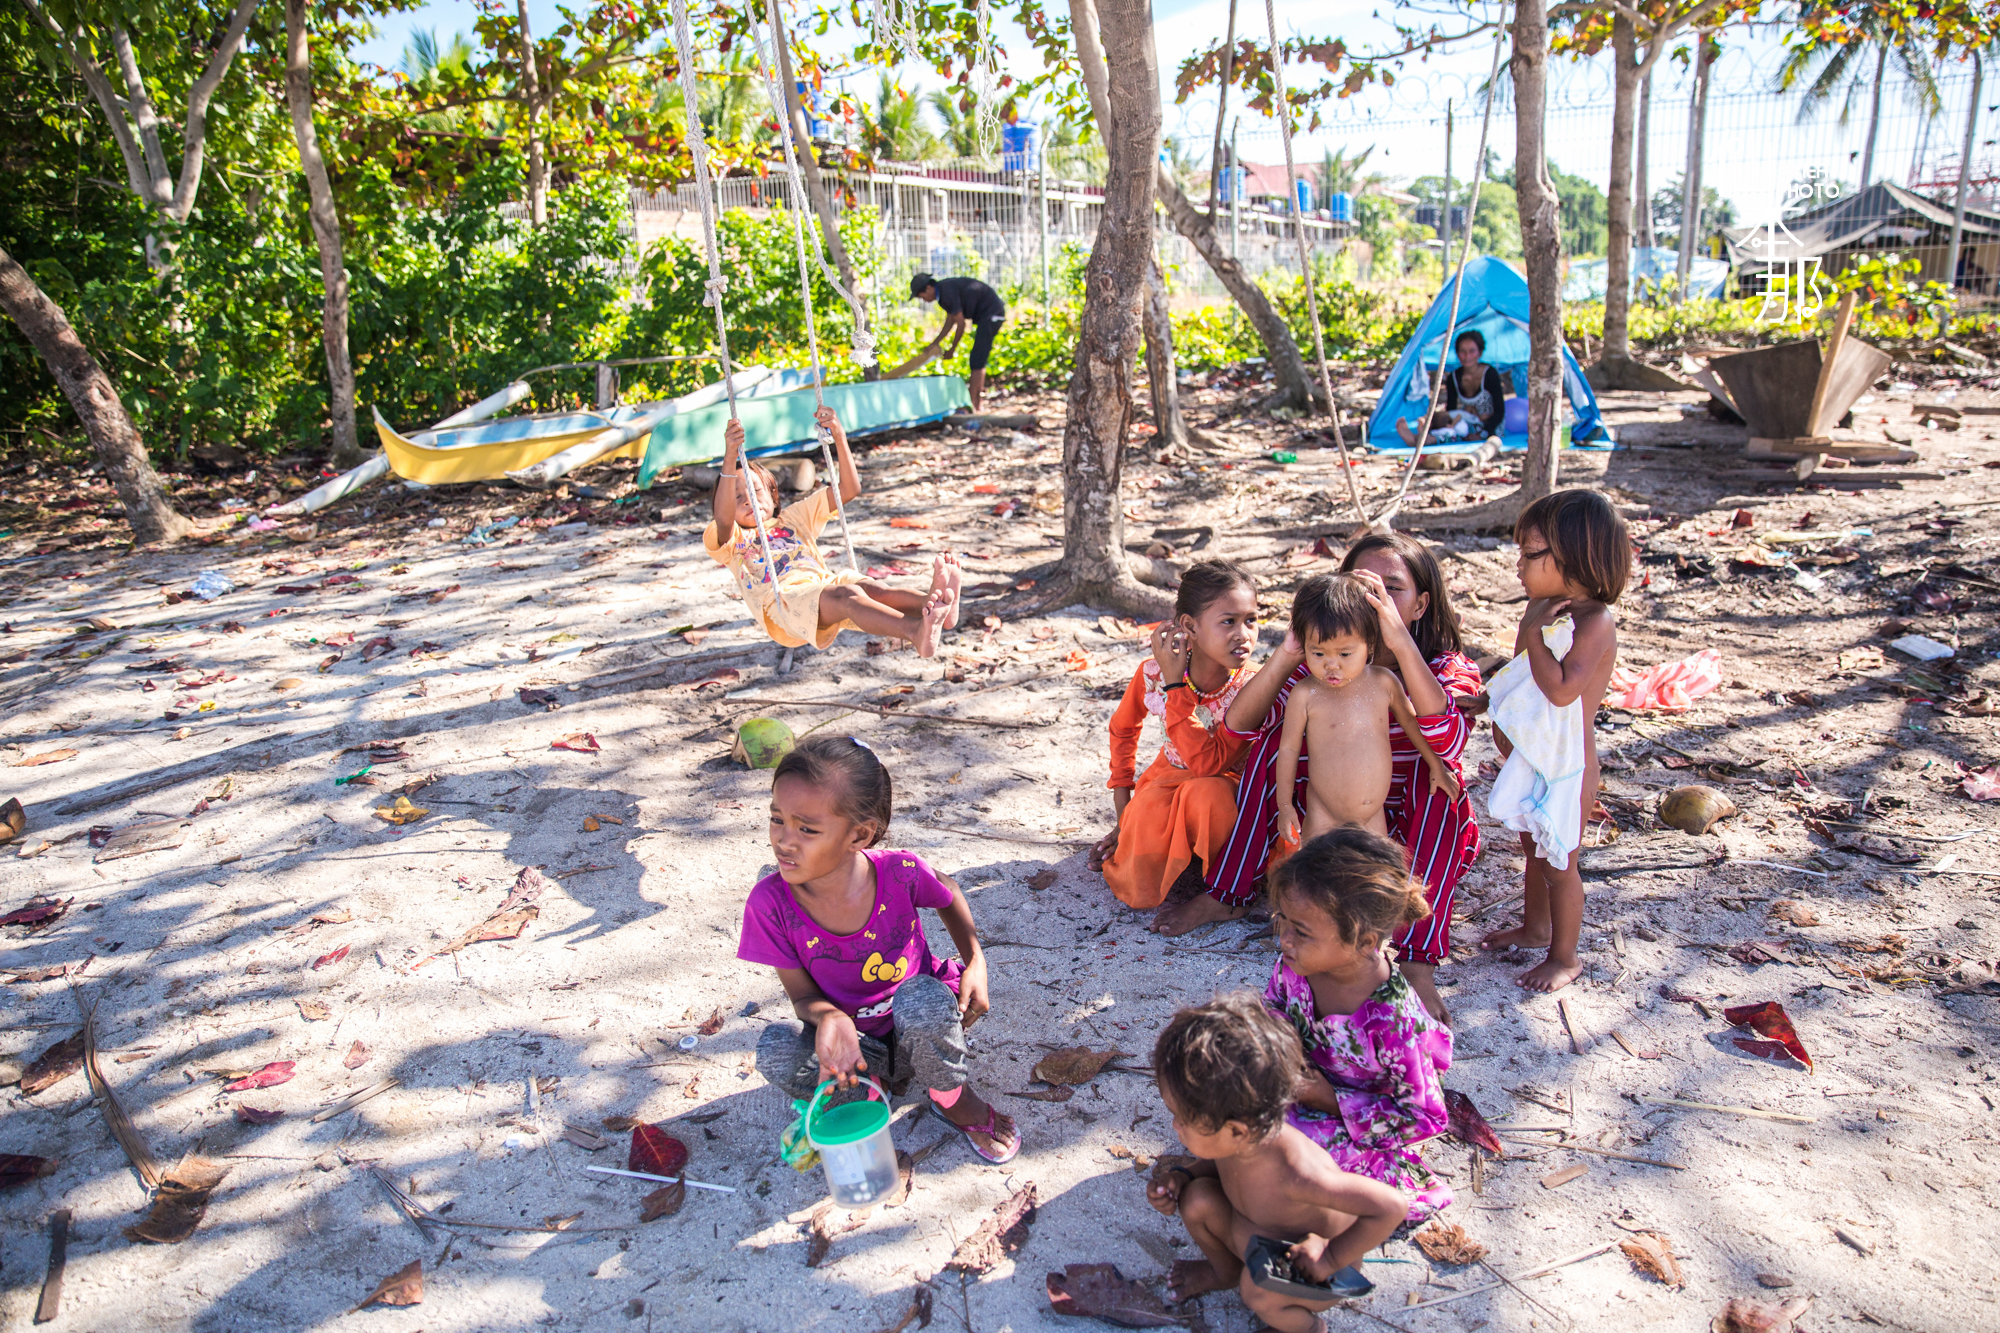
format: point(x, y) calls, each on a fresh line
point(1496, 304)
point(1708, 278)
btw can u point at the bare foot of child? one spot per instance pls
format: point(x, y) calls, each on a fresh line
point(954, 584)
point(1198, 911)
point(927, 634)
point(1552, 975)
point(1194, 1277)
point(1519, 937)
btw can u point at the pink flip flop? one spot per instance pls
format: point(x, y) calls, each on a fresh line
point(989, 1127)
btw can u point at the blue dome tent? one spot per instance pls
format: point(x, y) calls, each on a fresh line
point(1496, 304)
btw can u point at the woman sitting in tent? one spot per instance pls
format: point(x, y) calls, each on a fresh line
point(1475, 398)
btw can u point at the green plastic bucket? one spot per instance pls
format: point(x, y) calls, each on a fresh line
point(854, 1146)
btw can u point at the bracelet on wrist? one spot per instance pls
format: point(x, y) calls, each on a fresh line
point(1176, 685)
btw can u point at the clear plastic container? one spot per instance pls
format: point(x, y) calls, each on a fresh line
point(854, 1146)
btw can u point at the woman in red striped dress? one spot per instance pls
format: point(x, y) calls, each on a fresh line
point(1421, 644)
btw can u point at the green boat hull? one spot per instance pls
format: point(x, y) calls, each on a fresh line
point(783, 423)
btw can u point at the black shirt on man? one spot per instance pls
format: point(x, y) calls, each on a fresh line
point(972, 298)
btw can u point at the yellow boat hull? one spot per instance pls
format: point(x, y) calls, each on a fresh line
point(433, 466)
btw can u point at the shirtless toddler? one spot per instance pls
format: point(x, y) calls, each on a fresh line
point(1227, 1070)
point(1343, 712)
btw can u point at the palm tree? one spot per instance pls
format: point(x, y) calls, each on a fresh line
point(1828, 67)
point(893, 129)
point(961, 122)
point(1341, 174)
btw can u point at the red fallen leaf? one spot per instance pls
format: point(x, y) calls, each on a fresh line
point(340, 640)
point(538, 698)
point(1740, 1315)
point(292, 589)
point(326, 663)
point(38, 912)
point(147, 687)
point(358, 1055)
point(270, 1076)
point(693, 637)
point(1742, 518)
point(582, 742)
point(1468, 1126)
point(906, 522)
point(1753, 952)
point(1982, 784)
point(250, 1115)
point(333, 957)
point(656, 1152)
point(443, 593)
point(986, 488)
point(1768, 1019)
point(376, 647)
point(335, 580)
point(20, 1168)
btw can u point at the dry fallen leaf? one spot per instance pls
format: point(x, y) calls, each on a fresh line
point(999, 1235)
point(402, 812)
point(1058, 1094)
point(54, 1065)
point(180, 1202)
point(1045, 878)
point(314, 1011)
point(1447, 1243)
point(20, 1168)
point(1100, 1291)
point(405, 1286)
point(1742, 1315)
point(358, 1055)
point(712, 1024)
point(1796, 913)
point(45, 757)
point(590, 824)
point(1652, 1254)
point(1075, 1064)
point(1556, 1179)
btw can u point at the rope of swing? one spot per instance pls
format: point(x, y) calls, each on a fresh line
point(1457, 282)
point(1305, 262)
point(697, 143)
point(781, 109)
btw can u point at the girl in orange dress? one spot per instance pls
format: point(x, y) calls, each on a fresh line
point(1180, 811)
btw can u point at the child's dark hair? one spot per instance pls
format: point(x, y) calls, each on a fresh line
point(1359, 879)
point(1587, 540)
point(848, 769)
point(1207, 580)
point(1330, 604)
point(1437, 632)
point(1229, 1060)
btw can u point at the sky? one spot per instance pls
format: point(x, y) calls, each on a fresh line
point(1755, 142)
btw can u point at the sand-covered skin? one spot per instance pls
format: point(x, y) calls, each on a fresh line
point(204, 951)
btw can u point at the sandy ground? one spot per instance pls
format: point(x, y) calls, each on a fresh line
point(1876, 1200)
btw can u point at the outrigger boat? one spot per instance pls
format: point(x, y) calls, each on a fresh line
point(535, 451)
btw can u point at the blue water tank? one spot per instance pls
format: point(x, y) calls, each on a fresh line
point(1018, 147)
point(1340, 206)
point(1302, 196)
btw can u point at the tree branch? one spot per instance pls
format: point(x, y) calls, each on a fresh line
point(194, 139)
point(147, 120)
point(108, 100)
point(1090, 59)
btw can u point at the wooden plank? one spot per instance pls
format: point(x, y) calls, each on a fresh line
point(1772, 387)
point(52, 1285)
point(1760, 446)
point(1828, 360)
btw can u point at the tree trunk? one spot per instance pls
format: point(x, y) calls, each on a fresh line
point(120, 451)
point(1095, 569)
point(1618, 198)
point(822, 202)
point(1294, 386)
point(1874, 116)
point(1161, 371)
point(1541, 245)
point(326, 230)
point(1691, 188)
point(1642, 188)
point(531, 88)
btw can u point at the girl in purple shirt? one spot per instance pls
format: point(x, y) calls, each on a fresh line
point(839, 923)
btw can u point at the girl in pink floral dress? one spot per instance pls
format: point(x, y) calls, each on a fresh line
point(1378, 1053)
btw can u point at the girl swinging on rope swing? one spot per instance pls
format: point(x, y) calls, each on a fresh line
point(795, 594)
